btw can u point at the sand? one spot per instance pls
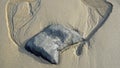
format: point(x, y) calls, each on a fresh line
point(86, 14)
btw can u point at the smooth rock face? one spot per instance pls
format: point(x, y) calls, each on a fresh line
point(53, 38)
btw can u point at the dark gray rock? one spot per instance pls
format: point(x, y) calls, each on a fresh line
point(54, 37)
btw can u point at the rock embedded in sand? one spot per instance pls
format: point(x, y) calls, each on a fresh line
point(54, 37)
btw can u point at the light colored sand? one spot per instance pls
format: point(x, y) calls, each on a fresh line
point(26, 18)
point(104, 51)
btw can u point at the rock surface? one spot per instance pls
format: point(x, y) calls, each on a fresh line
point(52, 38)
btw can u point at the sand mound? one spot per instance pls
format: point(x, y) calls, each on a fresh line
point(26, 18)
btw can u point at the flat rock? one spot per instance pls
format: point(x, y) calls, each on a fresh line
point(51, 40)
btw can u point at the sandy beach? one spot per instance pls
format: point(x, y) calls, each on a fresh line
point(22, 19)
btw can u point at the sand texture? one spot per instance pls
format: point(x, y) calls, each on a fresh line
point(97, 21)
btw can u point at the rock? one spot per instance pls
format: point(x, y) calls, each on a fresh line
point(54, 37)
